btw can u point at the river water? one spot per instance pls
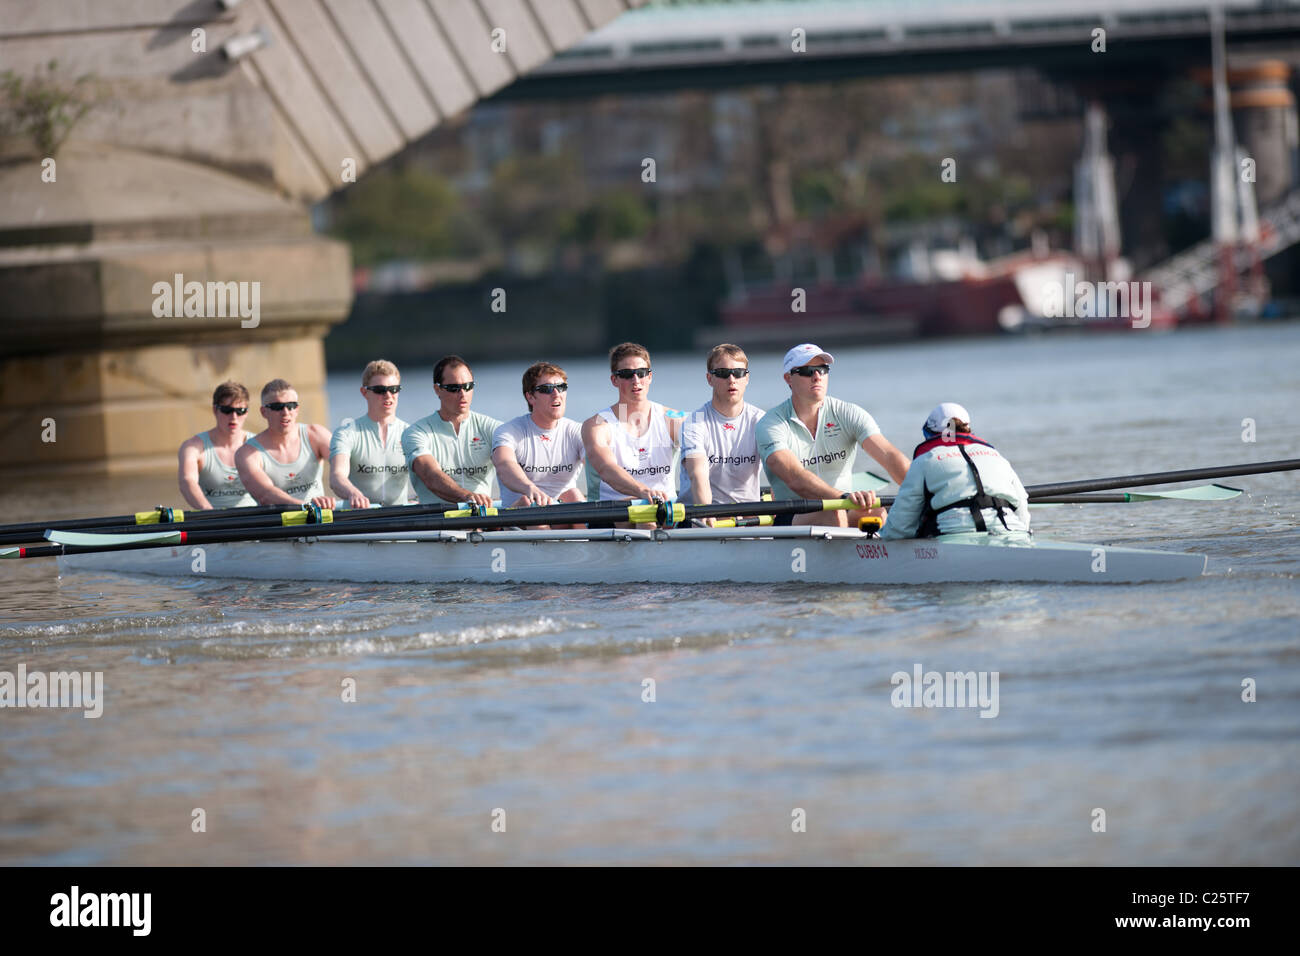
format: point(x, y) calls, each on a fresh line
point(523, 707)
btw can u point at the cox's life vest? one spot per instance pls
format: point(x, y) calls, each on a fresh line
point(976, 503)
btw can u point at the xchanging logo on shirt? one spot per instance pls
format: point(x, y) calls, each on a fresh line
point(825, 458)
point(548, 469)
point(473, 471)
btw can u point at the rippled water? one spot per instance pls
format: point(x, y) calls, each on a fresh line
point(469, 699)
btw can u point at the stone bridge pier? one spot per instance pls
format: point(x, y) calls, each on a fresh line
point(213, 125)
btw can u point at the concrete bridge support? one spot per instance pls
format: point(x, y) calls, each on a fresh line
point(199, 164)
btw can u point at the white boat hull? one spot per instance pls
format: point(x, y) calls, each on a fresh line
point(687, 556)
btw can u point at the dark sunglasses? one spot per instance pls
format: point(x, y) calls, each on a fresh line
point(728, 372)
point(281, 406)
point(233, 409)
point(384, 389)
point(463, 387)
point(627, 373)
point(808, 371)
point(548, 389)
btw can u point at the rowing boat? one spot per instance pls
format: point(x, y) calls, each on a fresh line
point(825, 555)
point(412, 545)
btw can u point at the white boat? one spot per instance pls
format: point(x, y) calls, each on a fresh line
point(824, 555)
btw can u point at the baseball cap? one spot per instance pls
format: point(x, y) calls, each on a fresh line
point(803, 355)
point(943, 413)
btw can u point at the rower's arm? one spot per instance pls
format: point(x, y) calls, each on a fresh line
point(697, 467)
point(427, 469)
point(783, 465)
point(889, 457)
point(248, 461)
point(340, 466)
point(508, 471)
point(595, 438)
point(188, 474)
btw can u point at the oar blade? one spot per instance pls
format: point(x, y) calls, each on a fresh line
point(1199, 493)
point(83, 539)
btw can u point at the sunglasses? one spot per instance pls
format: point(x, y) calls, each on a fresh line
point(808, 371)
point(384, 389)
point(627, 373)
point(548, 389)
point(281, 406)
point(462, 387)
point(233, 409)
point(728, 372)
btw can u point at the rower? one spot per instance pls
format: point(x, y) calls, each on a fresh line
point(808, 442)
point(538, 455)
point(719, 451)
point(957, 483)
point(284, 465)
point(366, 460)
point(207, 473)
point(632, 445)
point(450, 451)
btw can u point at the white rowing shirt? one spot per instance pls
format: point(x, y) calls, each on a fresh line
point(377, 467)
point(648, 458)
point(219, 482)
point(465, 456)
point(731, 449)
point(550, 458)
point(301, 478)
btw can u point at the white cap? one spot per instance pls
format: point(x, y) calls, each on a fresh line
point(804, 354)
point(945, 412)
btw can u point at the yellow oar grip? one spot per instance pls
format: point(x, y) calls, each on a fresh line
point(837, 504)
point(642, 514)
point(467, 513)
point(646, 514)
point(151, 517)
point(763, 521)
point(300, 517)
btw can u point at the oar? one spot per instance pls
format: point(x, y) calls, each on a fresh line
point(33, 530)
point(317, 517)
point(1199, 493)
point(312, 516)
point(1053, 492)
point(72, 542)
point(259, 517)
point(1038, 492)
